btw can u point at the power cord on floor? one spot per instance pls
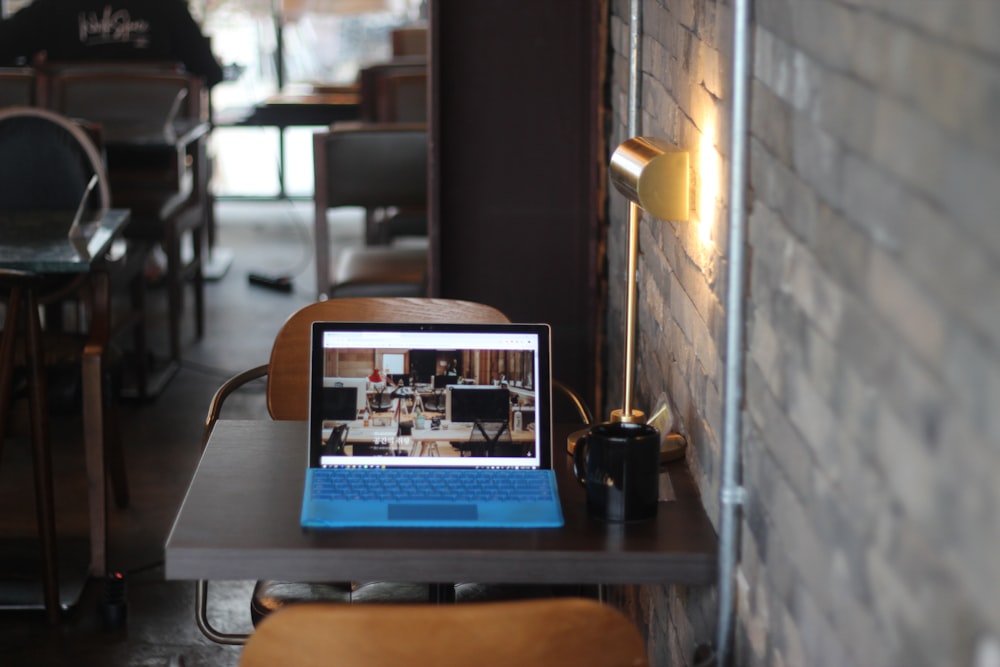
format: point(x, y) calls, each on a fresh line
point(283, 281)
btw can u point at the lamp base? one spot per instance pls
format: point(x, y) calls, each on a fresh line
point(634, 417)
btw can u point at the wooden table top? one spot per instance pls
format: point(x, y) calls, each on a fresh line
point(240, 520)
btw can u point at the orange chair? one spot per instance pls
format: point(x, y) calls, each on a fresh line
point(530, 633)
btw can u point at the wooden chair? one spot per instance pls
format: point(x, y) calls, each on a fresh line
point(531, 633)
point(287, 394)
point(395, 91)
point(375, 166)
point(154, 122)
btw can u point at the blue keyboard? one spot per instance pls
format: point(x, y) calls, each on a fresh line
point(431, 485)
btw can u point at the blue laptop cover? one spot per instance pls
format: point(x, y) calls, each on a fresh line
point(426, 407)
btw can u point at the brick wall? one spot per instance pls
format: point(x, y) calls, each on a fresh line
point(871, 449)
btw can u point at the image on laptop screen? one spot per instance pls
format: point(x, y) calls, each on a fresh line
point(397, 395)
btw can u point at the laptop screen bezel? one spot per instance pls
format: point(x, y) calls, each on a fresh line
point(543, 390)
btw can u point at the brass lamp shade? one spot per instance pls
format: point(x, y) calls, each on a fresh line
point(654, 175)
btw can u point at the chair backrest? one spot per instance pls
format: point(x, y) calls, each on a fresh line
point(288, 369)
point(402, 98)
point(530, 633)
point(374, 166)
point(409, 41)
point(47, 162)
point(133, 99)
point(19, 86)
point(371, 165)
point(370, 77)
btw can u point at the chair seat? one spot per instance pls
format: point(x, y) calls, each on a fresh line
point(536, 633)
point(380, 271)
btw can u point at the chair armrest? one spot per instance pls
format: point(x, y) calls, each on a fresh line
point(223, 392)
point(586, 416)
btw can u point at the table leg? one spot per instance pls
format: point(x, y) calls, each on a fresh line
point(93, 420)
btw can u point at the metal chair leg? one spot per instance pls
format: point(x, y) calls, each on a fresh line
point(201, 616)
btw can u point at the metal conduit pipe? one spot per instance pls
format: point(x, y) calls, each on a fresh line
point(731, 493)
point(634, 65)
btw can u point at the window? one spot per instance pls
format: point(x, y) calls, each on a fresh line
point(272, 45)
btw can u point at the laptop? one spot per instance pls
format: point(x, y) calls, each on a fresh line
point(474, 451)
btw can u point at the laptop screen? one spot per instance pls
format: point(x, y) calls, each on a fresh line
point(441, 395)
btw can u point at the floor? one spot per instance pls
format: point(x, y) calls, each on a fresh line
point(161, 439)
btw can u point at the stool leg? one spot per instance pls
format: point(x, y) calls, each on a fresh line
point(44, 502)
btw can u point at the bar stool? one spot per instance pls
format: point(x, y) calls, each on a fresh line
point(22, 287)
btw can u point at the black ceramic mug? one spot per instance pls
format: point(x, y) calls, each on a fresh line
point(619, 465)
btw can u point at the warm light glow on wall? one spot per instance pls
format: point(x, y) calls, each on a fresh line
point(709, 168)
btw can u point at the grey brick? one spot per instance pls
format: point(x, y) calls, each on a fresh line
point(780, 188)
point(774, 65)
point(776, 17)
point(789, 453)
point(866, 343)
point(824, 30)
point(818, 160)
point(873, 200)
point(841, 249)
point(973, 380)
point(764, 349)
point(949, 265)
point(870, 48)
point(906, 308)
point(821, 644)
point(817, 423)
point(856, 406)
point(769, 122)
point(845, 108)
point(981, 26)
point(820, 298)
point(908, 464)
point(821, 364)
point(770, 244)
point(968, 191)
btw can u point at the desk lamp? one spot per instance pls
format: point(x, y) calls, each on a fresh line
point(653, 176)
point(618, 461)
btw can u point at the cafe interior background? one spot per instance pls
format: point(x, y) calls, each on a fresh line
point(868, 529)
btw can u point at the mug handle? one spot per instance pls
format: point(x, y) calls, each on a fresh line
point(580, 460)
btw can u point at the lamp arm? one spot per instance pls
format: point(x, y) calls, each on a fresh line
point(630, 306)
